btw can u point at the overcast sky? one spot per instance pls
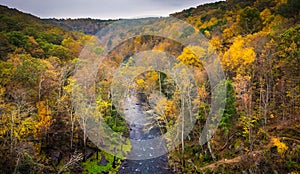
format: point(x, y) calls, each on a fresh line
point(102, 9)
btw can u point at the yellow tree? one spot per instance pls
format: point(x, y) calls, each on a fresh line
point(44, 120)
point(238, 58)
point(73, 46)
point(188, 56)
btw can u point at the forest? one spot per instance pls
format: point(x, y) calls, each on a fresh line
point(257, 43)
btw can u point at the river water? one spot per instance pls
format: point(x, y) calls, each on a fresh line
point(148, 153)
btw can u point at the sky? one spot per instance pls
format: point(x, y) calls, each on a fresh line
point(102, 9)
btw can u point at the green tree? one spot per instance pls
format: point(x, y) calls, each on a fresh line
point(230, 107)
point(51, 38)
point(250, 21)
point(290, 9)
point(18, 39)
point(5, 47)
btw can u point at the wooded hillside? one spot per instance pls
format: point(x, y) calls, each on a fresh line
point(257, 43)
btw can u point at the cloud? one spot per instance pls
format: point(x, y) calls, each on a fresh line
point(102, 9)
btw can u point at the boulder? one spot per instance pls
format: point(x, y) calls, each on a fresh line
point(103, 161)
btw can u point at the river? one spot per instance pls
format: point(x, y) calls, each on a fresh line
point(146, 156)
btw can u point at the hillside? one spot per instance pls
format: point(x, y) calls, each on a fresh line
point(257, 43)
point(260, 135)
point(36, 59)
point(88, 26)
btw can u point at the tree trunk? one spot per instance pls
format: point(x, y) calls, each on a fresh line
point(209, 147)
point(97, 155)
point(84, 150)
point(182, 136)
point(72, 129)
point(159, 79)
point(114, 162)
point(11, 138)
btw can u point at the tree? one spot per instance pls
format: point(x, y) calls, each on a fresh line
point(5, 47)
point(250, 20)
point(73, 47)
point(290, 9)
point(238, 58)
point(289, 53)
point(44, 121)
point(18, 39)
point(69, 107)
point(244, 93)
point(188, 57)
point(263, 4)
point(51, 38)
point(59, 51)
point(230, 107)
point(266, 77)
